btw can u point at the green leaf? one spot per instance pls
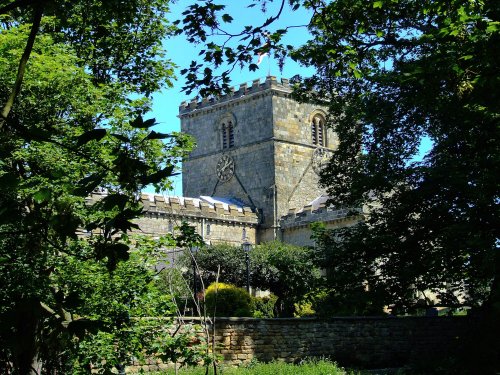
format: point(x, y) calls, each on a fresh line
point(378, 4)
point(86, 185)
point(157, 135)
point(121, 137)
point(91, 135)
point(492, 27)
point(42, 195)
point(114, 200)
point(158, 176)
point(139, 123)
point(227, 18)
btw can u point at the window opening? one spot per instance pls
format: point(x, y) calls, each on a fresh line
point(318, 131)
point(230, 134)
point(224, 135)
point(227, 135)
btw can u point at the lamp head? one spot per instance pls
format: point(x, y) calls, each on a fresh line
point(247, 246)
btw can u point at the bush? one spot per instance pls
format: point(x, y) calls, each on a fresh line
point(303, 309)
point(263, 307)
point(227, 300)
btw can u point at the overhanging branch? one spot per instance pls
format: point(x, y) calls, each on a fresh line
point(37, 16)
point(14, 5)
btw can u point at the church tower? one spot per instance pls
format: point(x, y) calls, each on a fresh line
point(259, 146)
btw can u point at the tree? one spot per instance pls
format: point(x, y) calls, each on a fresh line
point(231, 260)
point(123, 314)
point(392, 75)
point(287, 271)
point(395, 73)
point(225, 48)
point(73, 123)
point(115, 41)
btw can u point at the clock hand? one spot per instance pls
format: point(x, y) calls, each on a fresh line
point(226, 165)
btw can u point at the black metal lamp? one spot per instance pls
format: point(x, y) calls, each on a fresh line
point(247, 247)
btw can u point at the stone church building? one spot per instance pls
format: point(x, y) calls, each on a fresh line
point(254, 173)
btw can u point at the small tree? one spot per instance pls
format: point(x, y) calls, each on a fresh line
point(286, 270)
point(124, 315)
point(231, 260)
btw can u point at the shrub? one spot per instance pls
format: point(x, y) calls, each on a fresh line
point(263, 307)
point(227, 300)
point(303, 308)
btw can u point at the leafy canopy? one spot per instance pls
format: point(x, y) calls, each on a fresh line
point(76, 84)
point(392, 74)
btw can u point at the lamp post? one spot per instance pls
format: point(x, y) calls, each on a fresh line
point(193, 250)
point(247, 246)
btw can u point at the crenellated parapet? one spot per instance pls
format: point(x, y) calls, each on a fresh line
point(323, 213)
point(244, 90)
point(192, 208)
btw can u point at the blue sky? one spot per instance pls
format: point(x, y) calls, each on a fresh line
point(166, 103)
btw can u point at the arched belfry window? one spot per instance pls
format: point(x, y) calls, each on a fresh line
point(318, 130)
point(227, 134)
point(227, 123)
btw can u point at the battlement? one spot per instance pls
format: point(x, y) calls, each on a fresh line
point(237, 92)
point(323, 214)
point(161, 205)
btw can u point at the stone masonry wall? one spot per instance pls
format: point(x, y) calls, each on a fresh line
point(296, 226)
point(272, 151)
point(251, 113)
point(214, 223)
point(296, 181)
point(367, 342)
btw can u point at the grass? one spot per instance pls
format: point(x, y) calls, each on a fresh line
point(316, 367)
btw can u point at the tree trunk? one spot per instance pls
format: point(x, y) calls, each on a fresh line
point(25, 344)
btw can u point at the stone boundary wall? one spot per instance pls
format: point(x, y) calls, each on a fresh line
point(362, 342)
point(370, 342)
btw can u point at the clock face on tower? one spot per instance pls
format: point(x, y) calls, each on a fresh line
point(320, 159)
point(225, 168)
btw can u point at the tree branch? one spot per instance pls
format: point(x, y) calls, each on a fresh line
point(14, 5)
point(37, 16)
